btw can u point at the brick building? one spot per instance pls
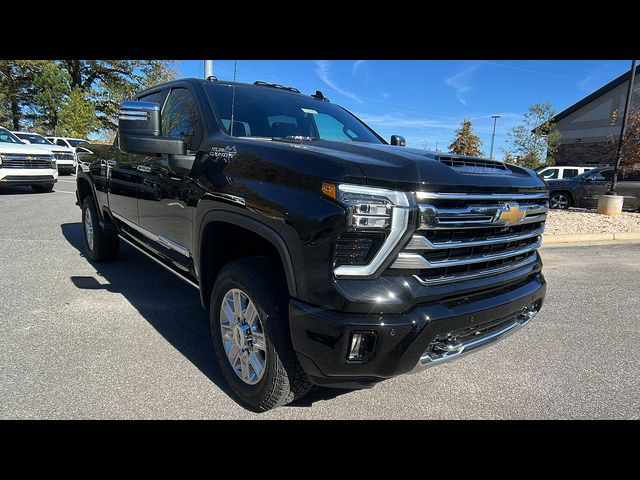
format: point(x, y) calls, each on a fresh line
point(588, 135)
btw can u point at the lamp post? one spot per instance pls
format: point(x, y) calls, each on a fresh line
point(493, 136)
point(623, 129)
point(208, 69)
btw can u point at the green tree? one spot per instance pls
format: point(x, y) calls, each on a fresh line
point(109, 82)
point(51, 93)
point(535, 141)
point(465, 142)
point(78, 116)
point(16, 91)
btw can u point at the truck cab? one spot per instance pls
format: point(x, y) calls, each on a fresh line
point(323, 253)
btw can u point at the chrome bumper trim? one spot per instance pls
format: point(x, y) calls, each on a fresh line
point(453, 351)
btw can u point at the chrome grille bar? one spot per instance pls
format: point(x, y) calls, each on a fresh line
point(516, 197)
point(420, 242)
point(415, 261)
point(473, 216)
point(532, 258)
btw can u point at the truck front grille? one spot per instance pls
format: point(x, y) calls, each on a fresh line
point(465, 236)
point(10, 160)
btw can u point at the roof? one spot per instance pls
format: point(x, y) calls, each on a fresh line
point(589, 98)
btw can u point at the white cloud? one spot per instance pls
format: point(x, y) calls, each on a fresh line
point(461, 82)
point(356, 64)
point(323, 68)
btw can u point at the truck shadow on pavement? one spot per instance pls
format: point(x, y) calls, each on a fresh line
point(170, 306)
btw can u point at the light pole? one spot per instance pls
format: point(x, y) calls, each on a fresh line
point(208, 69)
point(493, 136)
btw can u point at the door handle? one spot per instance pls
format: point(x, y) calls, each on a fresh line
point(143, 168)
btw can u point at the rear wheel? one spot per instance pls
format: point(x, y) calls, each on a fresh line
point(250, 330)
point(99, 245)
point(559, 200)
point(42, 188)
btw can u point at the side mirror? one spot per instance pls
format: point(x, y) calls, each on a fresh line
point(139, 131)
point(398, 140)
point(25, 141)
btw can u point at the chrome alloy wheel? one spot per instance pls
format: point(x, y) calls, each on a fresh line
point(88, 228)
point(243, 336)
point(559, 200)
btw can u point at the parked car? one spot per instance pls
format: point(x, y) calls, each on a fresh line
point(24, 164)
point(561, 173)
point(67, 141)
point(65, 157)
point(323, 254)
point(584, 190)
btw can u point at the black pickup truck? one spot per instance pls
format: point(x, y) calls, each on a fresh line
point(324, 254)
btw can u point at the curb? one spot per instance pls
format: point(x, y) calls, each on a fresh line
point(590, 237)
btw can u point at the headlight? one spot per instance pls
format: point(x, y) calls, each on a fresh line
point(0, 159)
point(53, 162)
point(377, 220)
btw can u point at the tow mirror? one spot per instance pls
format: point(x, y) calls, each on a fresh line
point(398, 140)
point(139, 131)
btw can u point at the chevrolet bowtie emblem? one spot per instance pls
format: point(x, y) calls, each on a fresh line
point(511, 214)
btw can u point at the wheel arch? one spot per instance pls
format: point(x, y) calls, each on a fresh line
point(84, 188)
point(250, 238)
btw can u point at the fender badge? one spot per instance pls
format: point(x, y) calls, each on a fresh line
point(223, 152)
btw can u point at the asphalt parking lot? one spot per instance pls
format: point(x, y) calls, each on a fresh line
point(128, 340)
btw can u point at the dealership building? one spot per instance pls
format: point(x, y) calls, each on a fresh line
point(590, 128)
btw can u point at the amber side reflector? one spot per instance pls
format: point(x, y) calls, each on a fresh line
point(329, 189)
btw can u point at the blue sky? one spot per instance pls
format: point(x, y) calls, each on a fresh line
point(425, 101)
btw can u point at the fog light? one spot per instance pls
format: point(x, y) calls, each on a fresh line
point(361, 346)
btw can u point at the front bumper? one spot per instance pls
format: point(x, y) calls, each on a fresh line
point(411, 341)
point(19, 176)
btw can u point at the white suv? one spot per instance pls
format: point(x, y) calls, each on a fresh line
point(561, 173)
point(66, 158)
point(67, 141)
point(22, 164)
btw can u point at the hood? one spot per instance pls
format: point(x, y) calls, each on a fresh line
point(414, 169)
point(27, 149)
point(59, 149)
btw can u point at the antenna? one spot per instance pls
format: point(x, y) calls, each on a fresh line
point(233, 96)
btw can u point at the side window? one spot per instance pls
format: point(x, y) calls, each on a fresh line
point(603, 176)
point(61, 142)
point(331, 129)
point(551, 173)
point(152, 97)
point(570, 172)
point(180, 118)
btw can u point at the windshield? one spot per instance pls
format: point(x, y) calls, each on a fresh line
point(34, 138)
point(7, 137)
point(75, 143)
point(271, 113)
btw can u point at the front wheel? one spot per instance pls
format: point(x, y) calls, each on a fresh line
point(559, 200)
point(251, 339)
point(99, 245)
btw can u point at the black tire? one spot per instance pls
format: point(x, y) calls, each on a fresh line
point(283, 380)
point(42, 188)
point(105, 246)
point(560, 200)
